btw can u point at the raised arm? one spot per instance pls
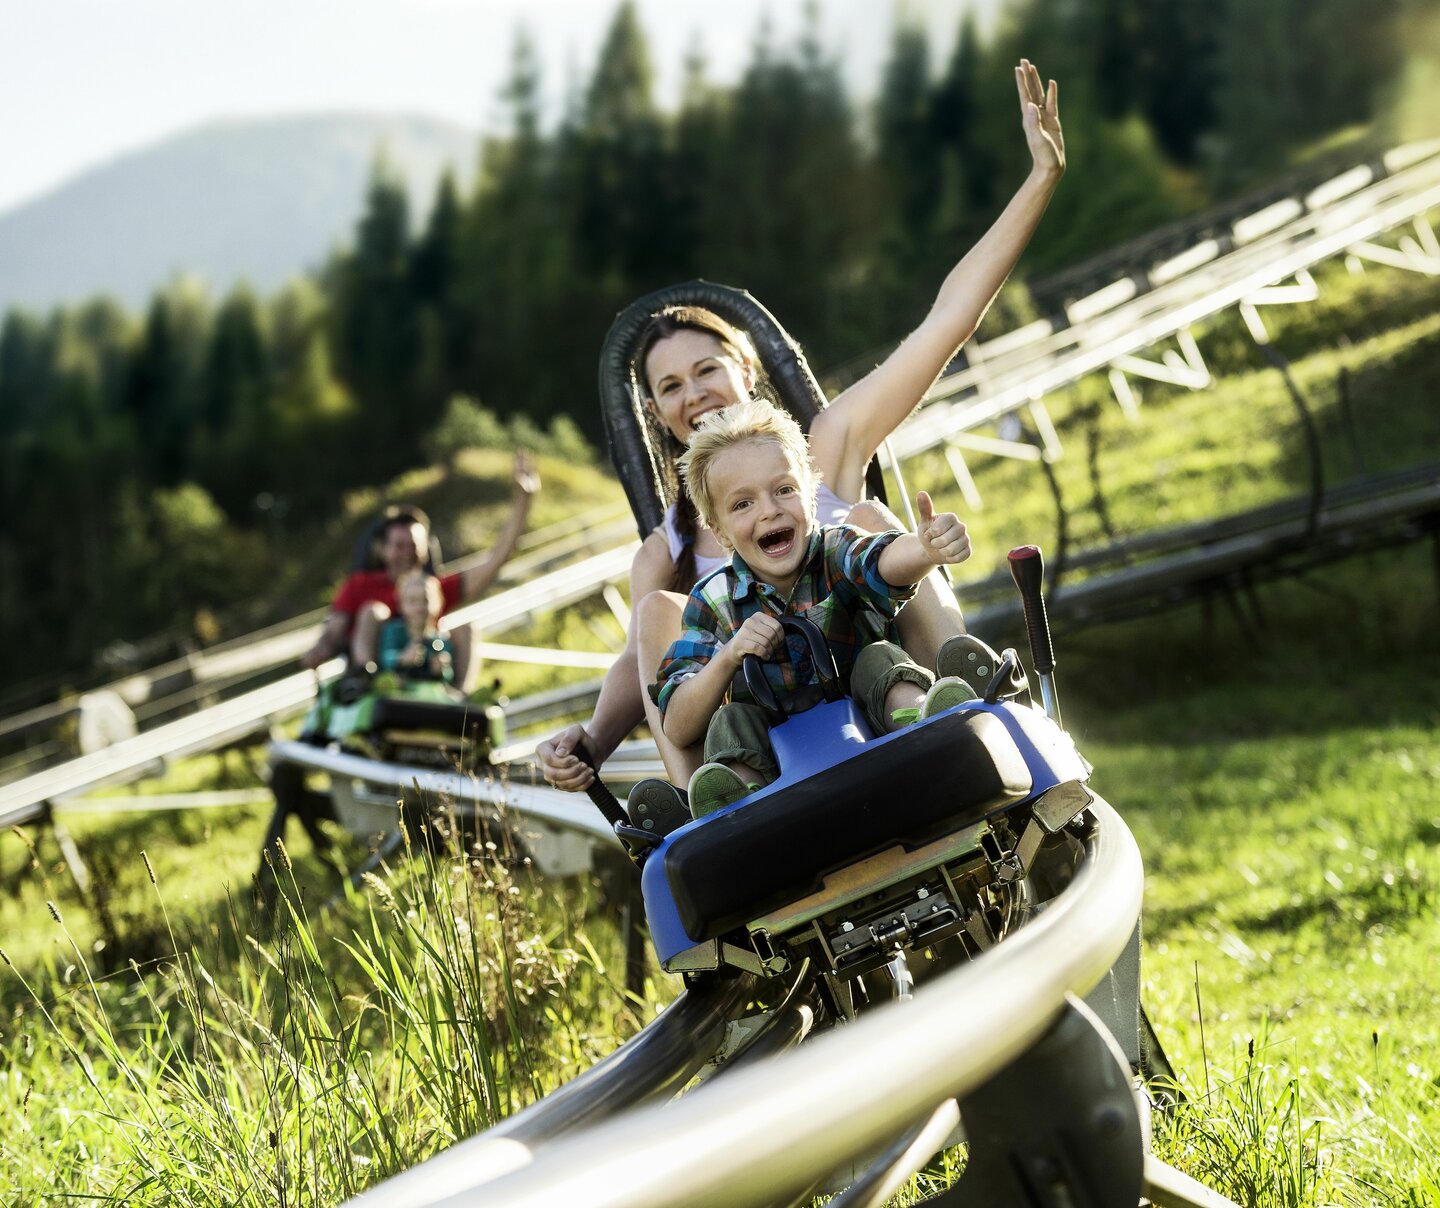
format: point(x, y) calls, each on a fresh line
point(474, 581)
point(846, 434)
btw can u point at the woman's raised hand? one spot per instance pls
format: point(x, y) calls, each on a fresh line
point(1040, 112)
point(527, 477)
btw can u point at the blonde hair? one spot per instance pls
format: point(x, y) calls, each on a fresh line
point(434, 595)
point(748, 420)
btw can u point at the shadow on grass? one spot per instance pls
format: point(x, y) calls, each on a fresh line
point(1381, 896)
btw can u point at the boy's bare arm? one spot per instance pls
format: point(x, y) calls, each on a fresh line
point(942, 539)
point(694, 701)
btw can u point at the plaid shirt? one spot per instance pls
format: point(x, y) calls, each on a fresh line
point(839, 588)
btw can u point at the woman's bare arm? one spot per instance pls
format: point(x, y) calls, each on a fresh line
point(846, 434)
point(620, 706)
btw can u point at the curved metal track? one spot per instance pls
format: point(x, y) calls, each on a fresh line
point(771, 1131)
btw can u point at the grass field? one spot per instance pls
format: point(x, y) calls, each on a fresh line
point(178, 1047)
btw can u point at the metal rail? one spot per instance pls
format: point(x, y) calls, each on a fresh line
point(217, 667)
point(1285, 539)
point(771, 1131)
point(24, 799)
point(1026, 371)
point(567, 811)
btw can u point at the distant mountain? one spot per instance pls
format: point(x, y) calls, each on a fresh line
point(260, 199)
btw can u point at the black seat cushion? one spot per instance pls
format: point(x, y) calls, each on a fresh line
point(916, 787)
point(459, 719)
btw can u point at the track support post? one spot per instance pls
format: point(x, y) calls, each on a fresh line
point(1061, 1127)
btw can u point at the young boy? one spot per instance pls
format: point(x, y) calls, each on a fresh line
point(748, 472)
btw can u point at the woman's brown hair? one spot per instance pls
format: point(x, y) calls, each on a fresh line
point(662, 325)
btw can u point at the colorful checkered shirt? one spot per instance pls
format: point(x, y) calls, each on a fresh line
point(839, 588)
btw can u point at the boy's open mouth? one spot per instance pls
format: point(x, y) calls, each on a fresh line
point(778, 543)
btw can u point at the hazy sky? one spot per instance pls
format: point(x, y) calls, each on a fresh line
point(84, 80)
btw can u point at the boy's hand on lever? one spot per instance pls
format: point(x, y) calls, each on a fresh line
point(759, 635)
point(944, 535)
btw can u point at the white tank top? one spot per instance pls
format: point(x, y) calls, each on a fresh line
point(829, 509)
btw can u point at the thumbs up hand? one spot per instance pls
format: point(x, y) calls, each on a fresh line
point(943, 534)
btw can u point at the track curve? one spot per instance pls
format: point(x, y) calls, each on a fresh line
point(772, 1130)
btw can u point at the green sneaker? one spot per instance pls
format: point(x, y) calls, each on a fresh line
point(715, 786)
point(945, 694)
point(966, 657)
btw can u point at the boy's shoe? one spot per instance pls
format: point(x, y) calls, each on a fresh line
point(945, 694)
point(715, 786)
point(966, 657)
point(657, 806)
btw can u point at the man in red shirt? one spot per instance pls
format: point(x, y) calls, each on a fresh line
point(366, 600)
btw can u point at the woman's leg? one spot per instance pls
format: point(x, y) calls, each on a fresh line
point(460, 639)
point(933, 616)
point(657, 622)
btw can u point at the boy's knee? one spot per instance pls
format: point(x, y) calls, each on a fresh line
point(461, 638)
point(878, 668)
point(371, 613)
point(876, 661)
point(365, 630)
point(740, 733)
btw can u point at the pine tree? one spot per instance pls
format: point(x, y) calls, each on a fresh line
point(235, 387)
point(624, 208)
point(1178, 74)
point(375, 329)
point(1260, 91)
point(162, 392)
point(793, 218)
point(519, 271)
point(435, 267)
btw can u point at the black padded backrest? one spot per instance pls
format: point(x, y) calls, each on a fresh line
point(922, 785)
point(637, 446)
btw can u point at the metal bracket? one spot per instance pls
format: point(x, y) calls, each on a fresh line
point(1060, 1127)
point(1418, 255)
point(1185, 368)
